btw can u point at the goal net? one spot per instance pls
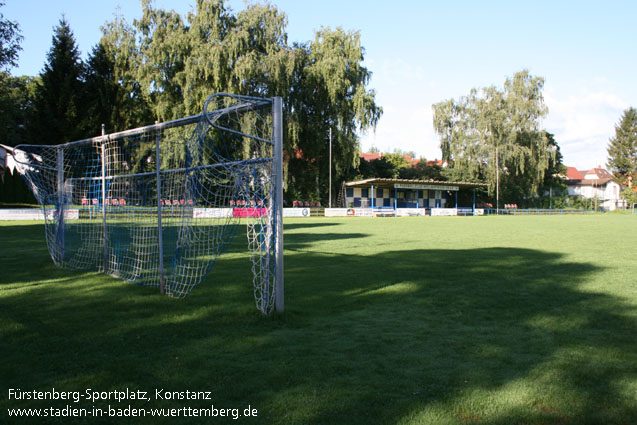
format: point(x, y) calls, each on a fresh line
point(158, 204)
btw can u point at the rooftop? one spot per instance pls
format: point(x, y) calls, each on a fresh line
point(381, 182)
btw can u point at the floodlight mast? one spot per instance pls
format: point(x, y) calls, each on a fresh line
point(330, 186)
point(497, 182)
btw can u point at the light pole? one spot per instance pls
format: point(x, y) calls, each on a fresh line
point(329, 201)
point(497, 182)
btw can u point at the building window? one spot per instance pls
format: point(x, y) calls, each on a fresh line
point(380, 193)
point(349, 192)
point(365, 193)
point(407, 195)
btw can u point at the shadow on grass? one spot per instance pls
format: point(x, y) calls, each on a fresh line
point(301, 225)
point(24, 255)
point(493, 335)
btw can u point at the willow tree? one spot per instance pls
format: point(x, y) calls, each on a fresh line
point(330, 91)
point(58, 110)
point(179, 61)
point(494, 135)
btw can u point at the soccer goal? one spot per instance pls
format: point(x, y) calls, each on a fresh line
point(157, 205)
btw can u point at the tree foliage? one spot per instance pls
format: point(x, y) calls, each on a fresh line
point(163, 66)
point(383, 168)
point(396, 166)
point(552, 183)
point(555, 172)
point(422, 171)
point(112, 99)
point(114, 67)
point(179, 61)
point(622, 149)
point(10, 39)
point(507, 121)
point(329, 91)
point(16, 94)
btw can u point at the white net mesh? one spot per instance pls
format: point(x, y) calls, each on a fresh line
point(157, 205)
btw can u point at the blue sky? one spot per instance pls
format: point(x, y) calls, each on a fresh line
point(423, 52)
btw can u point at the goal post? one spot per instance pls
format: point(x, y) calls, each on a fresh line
point(157, 205)
point(277, 136)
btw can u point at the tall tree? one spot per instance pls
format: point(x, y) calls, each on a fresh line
point(16, 94)
point(10, 39)
point(112, 79)
point(112, 99)
point(555, 172)
point(622, 148)
point(15, 100)
point(59, 115)
point(14, 97)
point(100, 90)
point(494, 135)
point(517, 187)
point(163, 51)
point(179, 62)
point(329, 91)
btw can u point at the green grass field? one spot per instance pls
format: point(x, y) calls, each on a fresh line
point(434, 320)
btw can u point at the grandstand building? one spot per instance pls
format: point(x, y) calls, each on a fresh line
point(405, 194)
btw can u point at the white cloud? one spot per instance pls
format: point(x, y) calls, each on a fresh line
point(582, 112)
point(406, 128)
point(583, 123)
point(404, 92)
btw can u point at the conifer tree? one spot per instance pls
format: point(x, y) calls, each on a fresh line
point(59, 115)
point(622, 149)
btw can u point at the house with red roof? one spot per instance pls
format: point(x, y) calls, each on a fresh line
point(594, 183)
point(573, 174)
point(371, 156)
